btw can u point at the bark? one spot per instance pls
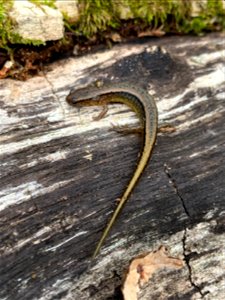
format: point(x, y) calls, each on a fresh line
point(61, 173)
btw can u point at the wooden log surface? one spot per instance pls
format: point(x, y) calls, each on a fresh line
point(61, 173)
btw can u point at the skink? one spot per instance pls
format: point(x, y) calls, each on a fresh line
point(144, 105)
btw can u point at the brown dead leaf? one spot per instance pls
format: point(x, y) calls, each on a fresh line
point(152, 32)
point(114, 37)
point(142, 268)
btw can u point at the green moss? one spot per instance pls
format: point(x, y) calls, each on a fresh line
point(152, 12)
point(17, 39)
point(212, 12)
point(196, 26)
point(5, 24)
point(96, 16)
point(175, 15)
point(213, 7)
point(50, 3)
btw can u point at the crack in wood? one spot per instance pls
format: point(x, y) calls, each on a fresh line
point(184, 239)
point(54, 93)
point(186, 256)
point(187, 261)
point(174, 185)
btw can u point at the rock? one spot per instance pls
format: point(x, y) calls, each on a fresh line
point(198, 7)
point(70, 8)
point(34, 22)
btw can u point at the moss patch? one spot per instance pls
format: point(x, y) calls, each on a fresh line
point(174, 15)
point(99, 19)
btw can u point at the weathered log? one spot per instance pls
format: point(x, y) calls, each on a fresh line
point(61, 173)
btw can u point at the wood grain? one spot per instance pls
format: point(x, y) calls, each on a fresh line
point(61, 173)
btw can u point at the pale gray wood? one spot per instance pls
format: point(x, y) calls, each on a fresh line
point(61, 173)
